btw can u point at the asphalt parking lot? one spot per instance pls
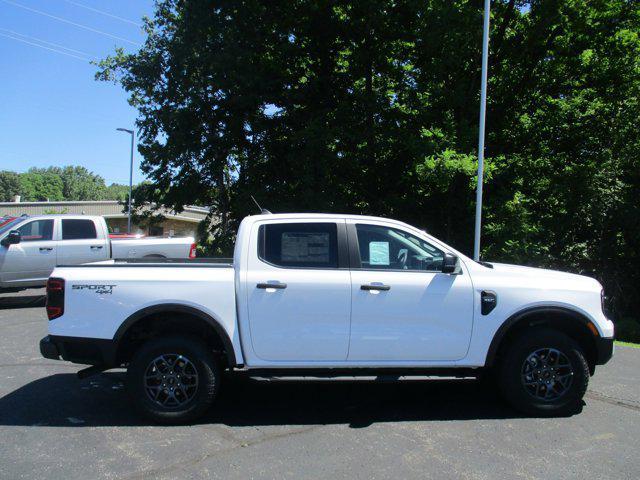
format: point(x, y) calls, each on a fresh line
point(54, 426)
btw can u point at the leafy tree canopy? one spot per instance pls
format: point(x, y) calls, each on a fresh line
point(58, 183)
point(9, 185)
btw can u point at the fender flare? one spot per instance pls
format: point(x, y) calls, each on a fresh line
point(518, 316)
point(178, 308)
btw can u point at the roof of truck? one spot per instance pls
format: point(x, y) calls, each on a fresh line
point(346, 216)
point(325, 216)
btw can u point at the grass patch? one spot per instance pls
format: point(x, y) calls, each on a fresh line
point(628, 344)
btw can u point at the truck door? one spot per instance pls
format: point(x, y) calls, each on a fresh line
point(403, 307)
point(34, 258)
point(81, 242)
point(299, 291)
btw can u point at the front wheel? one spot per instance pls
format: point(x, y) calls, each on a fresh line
point(173, 380)
point(544, 373)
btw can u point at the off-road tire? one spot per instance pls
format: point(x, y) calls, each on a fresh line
point(198, 399)
point(513, 378)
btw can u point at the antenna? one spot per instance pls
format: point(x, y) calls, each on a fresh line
point(263, 211)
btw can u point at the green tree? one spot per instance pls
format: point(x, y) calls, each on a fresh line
point(78, 183)
point(38, 185)
point(115, 191)
point(9, 185)
point(81, 184)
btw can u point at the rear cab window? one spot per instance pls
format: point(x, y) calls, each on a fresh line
point(299, 245)
point(78, 229)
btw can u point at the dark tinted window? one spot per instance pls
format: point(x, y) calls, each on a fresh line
point(311, 245)
point(78, 229)
point(36, 231)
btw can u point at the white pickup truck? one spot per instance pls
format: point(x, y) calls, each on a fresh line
point(327, 295)
point(31, 247)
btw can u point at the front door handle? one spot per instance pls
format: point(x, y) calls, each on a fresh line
point(375, 287)
point(95, 247)
point(272, 285)
point(46, 249)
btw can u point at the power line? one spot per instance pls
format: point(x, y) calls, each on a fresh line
point(46, 48)
point(102, 12)
point(56, 45)
point(64, 20)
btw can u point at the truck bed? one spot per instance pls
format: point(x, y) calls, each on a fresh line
point(100, 297)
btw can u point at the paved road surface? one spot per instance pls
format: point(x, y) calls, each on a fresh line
point(54, 426)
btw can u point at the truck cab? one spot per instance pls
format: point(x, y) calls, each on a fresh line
point(31, 247)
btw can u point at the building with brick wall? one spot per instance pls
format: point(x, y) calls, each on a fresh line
point(174, 224)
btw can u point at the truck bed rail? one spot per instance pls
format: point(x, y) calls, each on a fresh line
point(160, 262)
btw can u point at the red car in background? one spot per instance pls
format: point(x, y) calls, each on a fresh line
point(123, 236)
point(5, 220)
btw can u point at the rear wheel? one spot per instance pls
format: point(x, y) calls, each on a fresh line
point(544, 373)
point(173, 379)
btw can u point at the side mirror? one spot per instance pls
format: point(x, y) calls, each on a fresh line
point(12, 238)
point(449, 263)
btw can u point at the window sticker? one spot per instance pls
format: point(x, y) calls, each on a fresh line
point(305, 247)
point(379, 253)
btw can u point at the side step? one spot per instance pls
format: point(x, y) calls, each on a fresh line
point(386, 373)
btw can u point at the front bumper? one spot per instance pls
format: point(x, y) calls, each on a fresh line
point(87, 351)
point(604, 350)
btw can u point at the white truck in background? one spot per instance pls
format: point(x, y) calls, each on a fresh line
point(32, 246)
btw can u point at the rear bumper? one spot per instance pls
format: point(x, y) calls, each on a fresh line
point(604, 350)
point(87, 351)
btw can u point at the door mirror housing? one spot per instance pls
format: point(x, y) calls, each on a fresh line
point(449, 263)
point(12, 238)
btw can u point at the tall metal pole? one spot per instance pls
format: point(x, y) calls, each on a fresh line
point(130, 185)
point(483, 109)
point(132, 133)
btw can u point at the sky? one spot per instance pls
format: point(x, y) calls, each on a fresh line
point(52, 111)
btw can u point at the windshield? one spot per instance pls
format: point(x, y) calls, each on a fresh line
point(9, 226)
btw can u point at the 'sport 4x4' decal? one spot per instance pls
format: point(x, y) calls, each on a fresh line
point(100, 289)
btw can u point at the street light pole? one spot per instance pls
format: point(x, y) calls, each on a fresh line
point(483, 110)
point(130, 177)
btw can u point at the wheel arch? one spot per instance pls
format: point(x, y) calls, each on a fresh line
point(572, 323)
point(167, 310)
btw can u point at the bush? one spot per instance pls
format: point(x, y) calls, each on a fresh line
point(628, 329)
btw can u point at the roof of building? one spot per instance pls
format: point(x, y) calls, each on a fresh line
point(104, 208)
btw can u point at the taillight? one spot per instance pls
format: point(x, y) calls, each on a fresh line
point(55, 297)
point(192, 251)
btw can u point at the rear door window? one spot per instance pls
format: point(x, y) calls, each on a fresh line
point(78, 229)
point(299, 245)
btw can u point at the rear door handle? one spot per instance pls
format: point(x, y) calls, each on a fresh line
point(272, 285)
point(94, 247)
point(47, 249)
point(375, 287)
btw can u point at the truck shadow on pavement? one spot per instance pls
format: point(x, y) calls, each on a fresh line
point(22, 301)
point(63, 400)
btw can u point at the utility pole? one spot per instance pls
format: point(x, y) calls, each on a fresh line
point(483, 111)
point(130, 177)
